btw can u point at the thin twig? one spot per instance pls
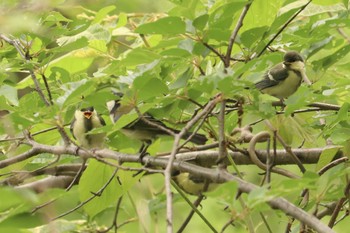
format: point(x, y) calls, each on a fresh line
point(284, 27)
point(47, 88)
point(194, 209)
point(263, 135)
point(235, 33)
point(77, 176)
point(15, 43)
point(98, 193)
point(222, 139)
point(167, 172)
point(336, 211)
point(286, 147)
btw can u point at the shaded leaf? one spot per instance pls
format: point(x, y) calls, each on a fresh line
point(327, 156)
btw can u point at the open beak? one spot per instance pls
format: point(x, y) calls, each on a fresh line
point(87, 114)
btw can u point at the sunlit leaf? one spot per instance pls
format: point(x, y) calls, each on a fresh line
point(101, 14)
point(168, 25)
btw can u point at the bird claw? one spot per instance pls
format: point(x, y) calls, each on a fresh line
point(77, 150)
point(142, 155)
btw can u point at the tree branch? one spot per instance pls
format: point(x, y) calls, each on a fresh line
point(167, 172)
point(15, 43)
point(235, 33)
point(283, 27)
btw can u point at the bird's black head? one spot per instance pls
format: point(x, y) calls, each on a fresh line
point(87, 112)
point(292, 56)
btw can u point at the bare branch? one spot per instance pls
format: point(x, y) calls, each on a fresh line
point(284, 27)
point(222, 138)
point(98, 193)
point(259, 137)
point(235, 33)
point(15, 43)
point(286, 147)
point(167, 172)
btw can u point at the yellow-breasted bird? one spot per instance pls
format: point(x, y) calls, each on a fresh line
point(283, 79)
point(84, 121)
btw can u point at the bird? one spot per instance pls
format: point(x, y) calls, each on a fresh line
point(141, 130)
point(191, 184)
point(283, 79)
point(85, 120)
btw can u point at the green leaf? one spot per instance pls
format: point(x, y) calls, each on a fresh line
point(200, 22)
point(299, 99)
point(23, 220)
point(99, 45)
point(182, 80)
point(122, 20)
point(139, 56)
point(343, 112)
point(93, 179)
point(168, 25)
point(10, 93)
point(328, 61)
point(94, 32)
point(252, 35)
point(55, 16)
point(101, 14)
point(327, 156)
point(149, 87)
point(75, 92)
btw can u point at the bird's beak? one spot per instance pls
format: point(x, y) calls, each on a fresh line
point(87, 114)
point(305, 78)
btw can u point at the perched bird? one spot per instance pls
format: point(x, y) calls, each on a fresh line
point(84, 121)
point(191, 184)
point(140, 130)
point(284, 79)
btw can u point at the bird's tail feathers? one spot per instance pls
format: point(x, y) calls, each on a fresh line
point(199, 139)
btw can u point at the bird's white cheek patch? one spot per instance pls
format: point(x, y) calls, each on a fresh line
point(298, 65)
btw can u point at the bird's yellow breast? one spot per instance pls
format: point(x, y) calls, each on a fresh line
point(286, 87)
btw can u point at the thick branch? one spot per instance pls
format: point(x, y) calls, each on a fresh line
point(214, 175)
point(46, 183)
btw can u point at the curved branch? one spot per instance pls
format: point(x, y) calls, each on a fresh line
point(258, 137)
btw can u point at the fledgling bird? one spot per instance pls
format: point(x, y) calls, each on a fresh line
point(193, 185)
point(84, 121)
point(140, 130)
point(284, 79)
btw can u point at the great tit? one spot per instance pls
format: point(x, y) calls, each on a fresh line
point(191, 184)
point(84, 121)
point(140, 130)
point(284, 79)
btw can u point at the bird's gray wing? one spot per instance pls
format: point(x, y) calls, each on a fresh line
point(139, 124)
point(101, 119)
point(273, 77)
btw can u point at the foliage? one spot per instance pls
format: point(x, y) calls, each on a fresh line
point(170, 63)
